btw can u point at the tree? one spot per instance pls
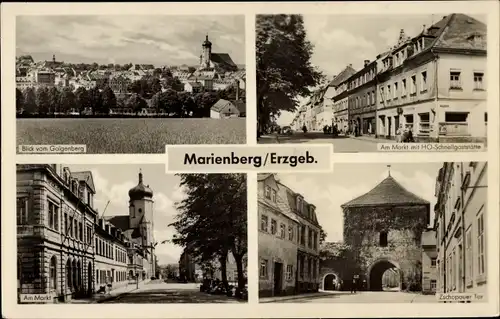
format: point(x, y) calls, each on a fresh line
point(136, 103)
point(155, 86)
point(30, 106)
point(204, 102)
point(54, 99)
point(19, 101)
point(212, 219)
point(156, 102)
point(170, 102)
point(187, 105)
point(82, 99)
point(42, 100)
point(108, 100)
point(67, 101)
point(284, 69)
point(95, 100)
point(322, 236)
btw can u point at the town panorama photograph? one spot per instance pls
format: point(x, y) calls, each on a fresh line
point(357, 80)
point(130, 84)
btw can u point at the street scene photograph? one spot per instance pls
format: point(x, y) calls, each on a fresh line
point(130, 84)
point(374, 233)
point(129, 234)
point(358, 80)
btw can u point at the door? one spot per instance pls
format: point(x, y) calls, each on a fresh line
point(389, 126)
point(278, 275)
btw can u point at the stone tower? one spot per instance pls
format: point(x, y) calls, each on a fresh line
point(205, 53)
point(384, 228)
point(141, 211)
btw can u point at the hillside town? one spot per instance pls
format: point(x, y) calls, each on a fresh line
point(396, 246)
point(432, 84)
point(215, 87)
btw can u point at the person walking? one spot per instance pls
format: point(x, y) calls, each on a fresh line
point(354, 284)
point(399, 132)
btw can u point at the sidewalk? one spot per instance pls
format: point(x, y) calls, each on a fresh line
point(371, 138)
point(98, 298)
point(301, 296)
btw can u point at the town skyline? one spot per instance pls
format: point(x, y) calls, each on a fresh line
point(169, 40)
point(112, 182)
point(348, 181)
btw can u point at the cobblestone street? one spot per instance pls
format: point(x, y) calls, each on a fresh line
point(359, 297)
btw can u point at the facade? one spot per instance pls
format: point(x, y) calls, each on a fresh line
point(340, 98)
point(429, 262)
point(434, 83)
point(384, 228)
point(193, 87)
point(460, 219)
point(224, 109)
point(119, 84)
point(288, 240)
point(361, 101)
point(64, 248)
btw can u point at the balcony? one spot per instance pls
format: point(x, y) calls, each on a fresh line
point(453, 128)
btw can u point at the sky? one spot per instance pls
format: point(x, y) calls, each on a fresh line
point(158, 40)
point(348, 181)
point(340, 40)
point(112, 183)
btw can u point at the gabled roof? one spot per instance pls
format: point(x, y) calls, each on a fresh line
point(291, 197)
point(222, 58)
point(342, 76)
point(388, 192)
point(220, 105)
point(85, 176)
point(119, 221)
point(459, 33)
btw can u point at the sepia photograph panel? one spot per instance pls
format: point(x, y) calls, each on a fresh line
point(358, 80)
point(130, 234)
point(374, 233)
point(130, 84)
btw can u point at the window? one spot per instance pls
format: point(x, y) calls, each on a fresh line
point(53, 273)
point(433, 285)
point(480, 245)
point(456, 117)
point(396, 90)
point(22, 210)
point(289, 272)
point(263, 223)
point(455, 82)
point(303, 235)
point(433, 262)
point(282, 231)
point(309, 238)
point(273, 195)
point(478, 81)
point(403, 87)
point(299, 204)
point(66, 230)
point(53, 216)
point(388, 92)
point(383, 239)
point(268, 192)
point(315, 240)
point(453, 269)
point(413, 85)
point(373, 97)
point(382, 97)
point(263, 268)
point(423, 81)
point(290, 233)
point(80, 231)
point(274, 226)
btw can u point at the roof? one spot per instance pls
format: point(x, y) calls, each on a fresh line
point(85, 176)
point(460, 32)
point(222, 58)
point(241, 106)
point(387, 192)
point(342, 76)
point(290, 197)
point(194, 83)
point(220, 105)
point(119, 221)
point(428, 238)
point(281, 203)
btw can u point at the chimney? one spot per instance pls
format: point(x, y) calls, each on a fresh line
point(367, 62)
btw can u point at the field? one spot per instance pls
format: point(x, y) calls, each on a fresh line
point(130, 135)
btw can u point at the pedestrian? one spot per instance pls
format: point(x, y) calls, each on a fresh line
point(399, 131)
point(353, 285)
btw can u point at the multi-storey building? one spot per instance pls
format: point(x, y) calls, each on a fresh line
point(64, 248)
point(288, 240)
point(460, 219)
point(361, 101)
point(434, 83)
point(429, 259)
point(340, 98)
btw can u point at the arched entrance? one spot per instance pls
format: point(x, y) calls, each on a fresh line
point(331, 282)
point(384, 275)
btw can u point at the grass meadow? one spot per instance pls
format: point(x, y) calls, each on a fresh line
point(137, 135)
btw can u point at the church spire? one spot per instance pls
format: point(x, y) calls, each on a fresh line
point(140, 176)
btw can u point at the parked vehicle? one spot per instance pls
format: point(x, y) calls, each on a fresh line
point(287, 130)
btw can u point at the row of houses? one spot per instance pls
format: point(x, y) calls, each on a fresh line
point(65, 247)
point(433, 83)
point(289, 240)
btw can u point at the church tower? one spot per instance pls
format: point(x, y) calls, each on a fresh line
point(205, 53)
point(141, 211)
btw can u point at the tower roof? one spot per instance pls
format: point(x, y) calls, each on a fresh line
point(140, 191)
point(207, 43)
point(388, 192)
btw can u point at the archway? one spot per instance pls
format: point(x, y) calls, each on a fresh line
point(331, 282)
point(69, 276)
point(89, 279)
point(79, 276)
point(384, 275)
